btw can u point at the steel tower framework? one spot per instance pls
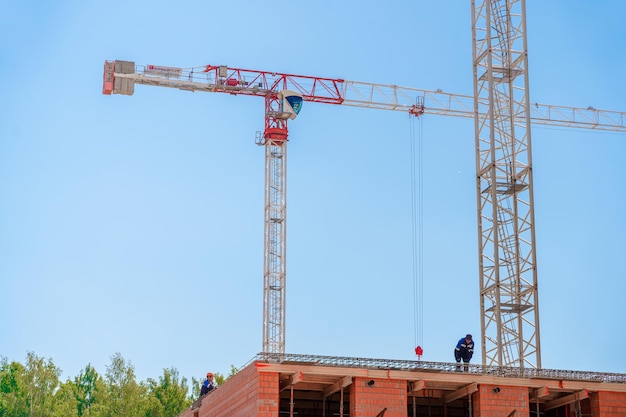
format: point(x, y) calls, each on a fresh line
point(274, 264)
point(504, 186)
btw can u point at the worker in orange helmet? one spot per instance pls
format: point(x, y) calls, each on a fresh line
point(208, 385)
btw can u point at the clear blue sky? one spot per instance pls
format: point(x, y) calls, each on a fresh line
point(135, 224)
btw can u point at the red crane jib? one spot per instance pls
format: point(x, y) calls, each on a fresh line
point(255, 82)
point(222, 79)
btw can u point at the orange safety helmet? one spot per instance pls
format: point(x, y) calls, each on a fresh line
point(209, 374)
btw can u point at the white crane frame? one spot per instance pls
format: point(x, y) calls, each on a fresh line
point(504, 186)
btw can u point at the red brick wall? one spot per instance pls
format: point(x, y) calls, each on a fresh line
point(268, 400)
point(486, 402)
point(368, 401)
point(247, 394)
point(608, 404)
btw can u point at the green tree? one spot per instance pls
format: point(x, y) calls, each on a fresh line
point(89, 391)
point(125, 397)
point(28, 390)
point(65, 399)
point(34, 390)
point(195, 389)
point(13, 394)
point(167, 396)
point(41, 382)
point(84, 396)
point(86, 389)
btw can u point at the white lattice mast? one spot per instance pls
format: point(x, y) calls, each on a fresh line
point(504, 184)
point(274, 263)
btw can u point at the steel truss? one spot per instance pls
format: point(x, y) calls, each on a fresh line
point(504, 186)
point(274, 265)
point(408, 365)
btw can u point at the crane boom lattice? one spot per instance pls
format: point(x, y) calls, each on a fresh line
point(502, 113)
point(238, 81)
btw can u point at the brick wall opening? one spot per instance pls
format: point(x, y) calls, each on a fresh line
point(430, 406)
point(312, 403)
point(581, 408)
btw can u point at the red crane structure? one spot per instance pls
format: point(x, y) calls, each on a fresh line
point(502, 116)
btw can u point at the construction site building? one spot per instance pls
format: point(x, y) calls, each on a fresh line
point(276, 385)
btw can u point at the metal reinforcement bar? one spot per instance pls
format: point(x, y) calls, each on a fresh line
point(408, 365)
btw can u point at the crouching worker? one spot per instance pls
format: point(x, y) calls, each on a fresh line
point(464, 350)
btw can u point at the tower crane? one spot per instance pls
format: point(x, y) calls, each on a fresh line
point(502, 114)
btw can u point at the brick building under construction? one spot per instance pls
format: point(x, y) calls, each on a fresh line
point(276, 385)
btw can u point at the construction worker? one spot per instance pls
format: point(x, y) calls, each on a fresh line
point(464, 350)
point(208, 385)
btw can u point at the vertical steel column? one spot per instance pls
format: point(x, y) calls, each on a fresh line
point(274, 275)
point(507, 257)
point(341, 403)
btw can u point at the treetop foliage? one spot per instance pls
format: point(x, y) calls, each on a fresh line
point(34, 389)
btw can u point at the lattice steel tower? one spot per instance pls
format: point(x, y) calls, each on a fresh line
point(504, 185)
point(274, 265)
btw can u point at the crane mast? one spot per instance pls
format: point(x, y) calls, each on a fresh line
point(504, 186)
point(502, 115)
point(274, 263)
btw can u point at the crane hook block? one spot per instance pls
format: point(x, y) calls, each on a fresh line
point(291, 103)
point(419, 352)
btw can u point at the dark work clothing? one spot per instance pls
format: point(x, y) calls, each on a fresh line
point(207, 387)
point(464, 351)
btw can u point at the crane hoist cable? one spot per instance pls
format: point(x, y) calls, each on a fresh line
point(417, 230)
